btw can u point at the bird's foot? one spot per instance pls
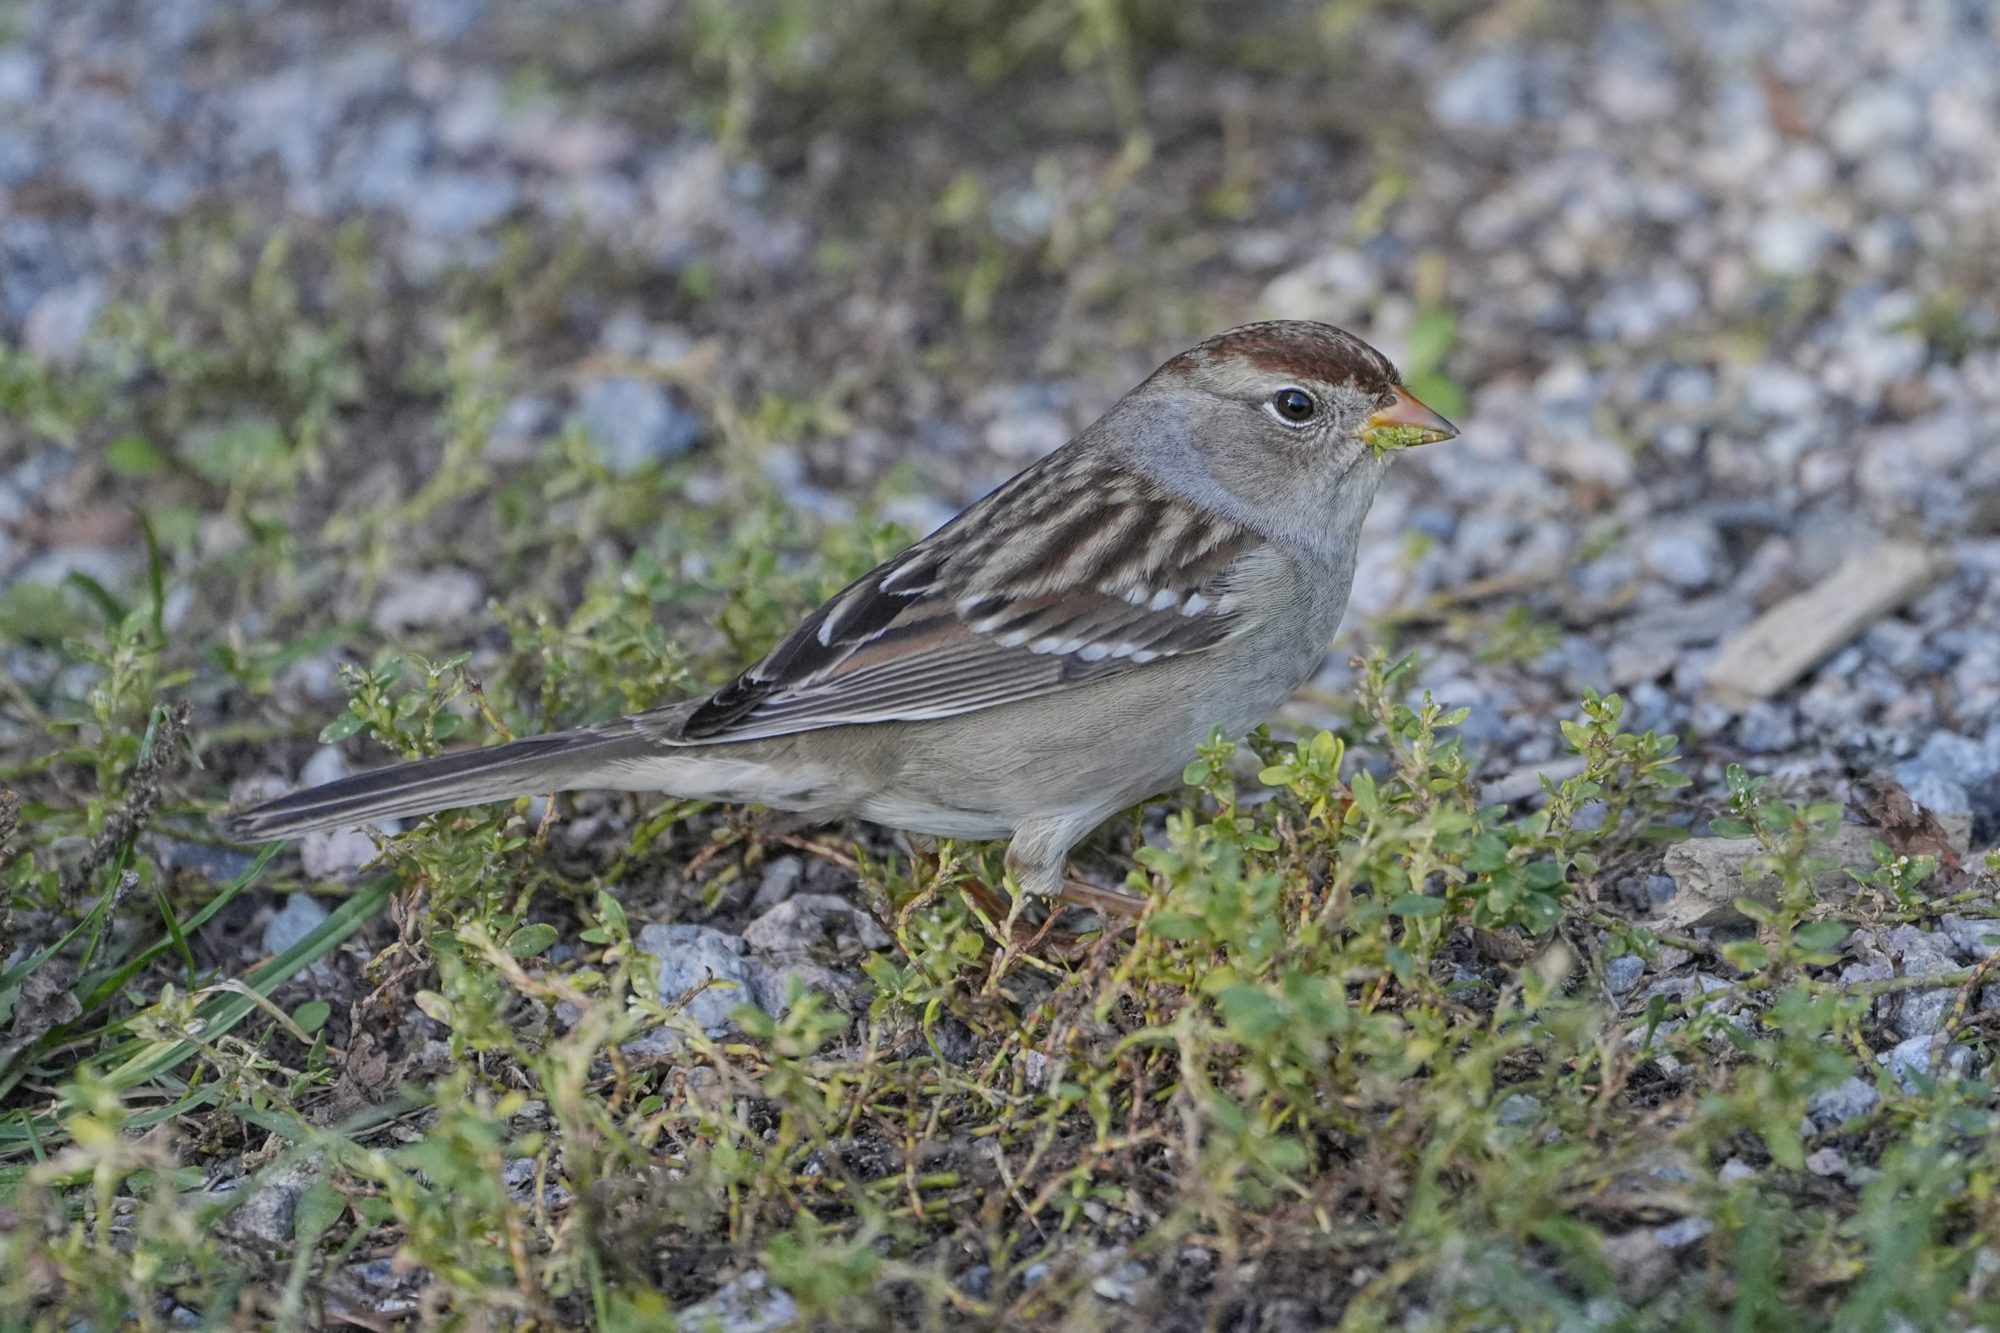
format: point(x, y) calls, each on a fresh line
point(1112, 905)
point(1104, 901)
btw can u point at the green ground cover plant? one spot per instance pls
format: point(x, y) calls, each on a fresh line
point(1358, 1062)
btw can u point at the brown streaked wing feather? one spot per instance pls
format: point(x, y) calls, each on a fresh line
point(978, 614)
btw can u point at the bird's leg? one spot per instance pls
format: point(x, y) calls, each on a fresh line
point(1039, 865)
point(1108, 902)
point(924, 855)
point(930, 863)
point(996, 906)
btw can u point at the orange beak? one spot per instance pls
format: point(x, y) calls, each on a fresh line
point(1405, 423)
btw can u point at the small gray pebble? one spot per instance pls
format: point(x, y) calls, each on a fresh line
point(1976, 939)
point(1766, 728)
point(1684, 1232)
point(748, 1304)
point(1909, 1059)
point(1685, 554)
point(781, 880)
point(298, 918)
point(634, 422)
point(1939, 795)
point(1623, 973)
point(1836, 1106)
point(814, 921)
point(690, 956)
point(429, 600)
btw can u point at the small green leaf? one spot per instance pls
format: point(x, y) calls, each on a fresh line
point(434, 1006)
point(338, 730)
point(1488, 854)
point(1364, 793)
point(1417, 905)
point(1542, 875)
point(532, 940)
point(1250, 1011)
point(1431, 335)
point(317, 1209)
point(1782, 1139)
point(1747, 955)
point(312, 1015)
point(1175, 926)
point(133, 455)
point(1759, 912)
point(612, 912)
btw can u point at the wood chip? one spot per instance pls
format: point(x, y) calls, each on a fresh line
point(1774, 651)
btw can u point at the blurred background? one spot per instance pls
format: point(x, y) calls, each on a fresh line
point(372, 312)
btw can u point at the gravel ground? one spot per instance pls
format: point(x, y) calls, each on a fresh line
point(1718, 284)
point(1722, 280)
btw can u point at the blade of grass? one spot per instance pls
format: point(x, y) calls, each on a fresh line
point(102, 986)
point(135, 1062)
point(143, 1060)
point(175, 934)
point(97, 991)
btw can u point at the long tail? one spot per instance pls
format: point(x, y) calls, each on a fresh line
point(618, 755)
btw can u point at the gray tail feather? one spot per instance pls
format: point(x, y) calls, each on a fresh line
point(555, 762)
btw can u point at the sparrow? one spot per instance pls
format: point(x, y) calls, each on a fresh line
point(1048, 658)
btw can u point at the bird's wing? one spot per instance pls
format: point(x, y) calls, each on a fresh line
point(1055, 579)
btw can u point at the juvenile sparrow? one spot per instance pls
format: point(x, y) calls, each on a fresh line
point(1048, 658)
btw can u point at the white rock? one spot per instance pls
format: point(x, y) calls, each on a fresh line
point(1878, 117)
point(1836, 1106)
point(1976, 939)
point(428, 600)
point(692, 956)
point(58, 323)
point(1337, 280)
point(327, 764)
point(634, 422)
point(300, 916)
point(1911, 1059)
point(809, 921)
point(1684, 553)
point(748, 1304)
point(1790, 243)
point(1024, 436)
point(1779, 391)
point(335, 853)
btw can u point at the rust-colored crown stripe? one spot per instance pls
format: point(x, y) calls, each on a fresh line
point(1298, 347)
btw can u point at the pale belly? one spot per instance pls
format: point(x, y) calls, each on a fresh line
point(1098, 751)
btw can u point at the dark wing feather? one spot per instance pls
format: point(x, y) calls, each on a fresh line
point(860, 611)
point(1067, 574)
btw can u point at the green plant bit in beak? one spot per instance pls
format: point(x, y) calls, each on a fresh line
point(1388, 439)
point(1404, 424)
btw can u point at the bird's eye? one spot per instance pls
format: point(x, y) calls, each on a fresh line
point(1294, 407)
